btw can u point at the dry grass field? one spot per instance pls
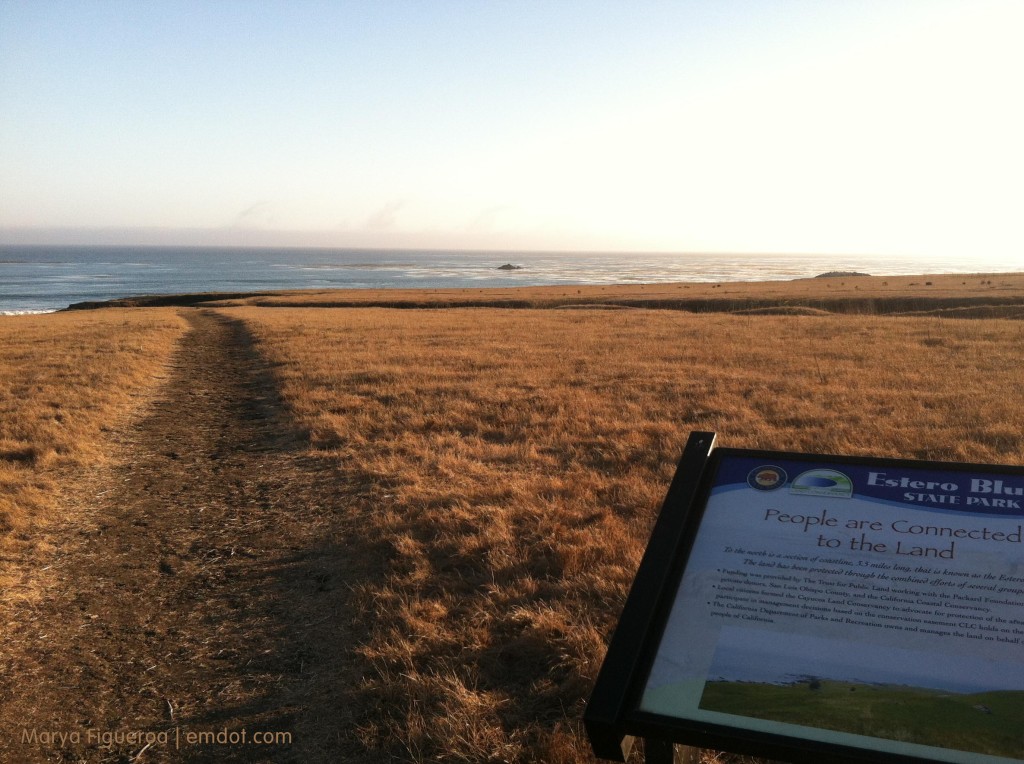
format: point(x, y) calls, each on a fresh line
point(65, 381)
point(479, 486)
point(509, 463)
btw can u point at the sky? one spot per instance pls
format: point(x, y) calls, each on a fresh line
point(754, 655)
point(886, 127)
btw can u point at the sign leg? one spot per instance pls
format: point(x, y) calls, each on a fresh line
point(664, 752)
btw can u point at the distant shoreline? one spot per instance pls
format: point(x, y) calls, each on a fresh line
point(946, 295)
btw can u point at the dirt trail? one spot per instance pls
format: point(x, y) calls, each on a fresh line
point(202, 587)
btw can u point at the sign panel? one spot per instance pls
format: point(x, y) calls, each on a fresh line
point(869, 604)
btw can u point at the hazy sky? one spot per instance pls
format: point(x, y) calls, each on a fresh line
point(874, 127)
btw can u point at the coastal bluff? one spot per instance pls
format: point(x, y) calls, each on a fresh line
point(945, 295)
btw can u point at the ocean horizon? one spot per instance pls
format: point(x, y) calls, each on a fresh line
point(40, 279)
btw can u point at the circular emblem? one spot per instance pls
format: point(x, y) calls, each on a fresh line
point(767, 478)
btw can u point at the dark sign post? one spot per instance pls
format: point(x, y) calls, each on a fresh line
point(806, 608)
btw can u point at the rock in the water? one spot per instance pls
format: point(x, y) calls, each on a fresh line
point(510, 267)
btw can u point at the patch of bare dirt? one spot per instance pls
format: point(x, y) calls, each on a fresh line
point(197, 595)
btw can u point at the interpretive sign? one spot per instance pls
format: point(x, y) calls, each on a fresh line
point(813, 608)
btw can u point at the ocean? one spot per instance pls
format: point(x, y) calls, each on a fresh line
point(37, 279)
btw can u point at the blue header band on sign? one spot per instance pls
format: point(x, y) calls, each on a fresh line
point(958, 490)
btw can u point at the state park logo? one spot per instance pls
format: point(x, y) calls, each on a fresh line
point(766, 478)
point(822, 482)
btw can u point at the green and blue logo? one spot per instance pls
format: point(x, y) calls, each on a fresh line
point(822, 482)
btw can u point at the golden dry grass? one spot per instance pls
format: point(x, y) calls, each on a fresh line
point(66, 381)
point(511, 462)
